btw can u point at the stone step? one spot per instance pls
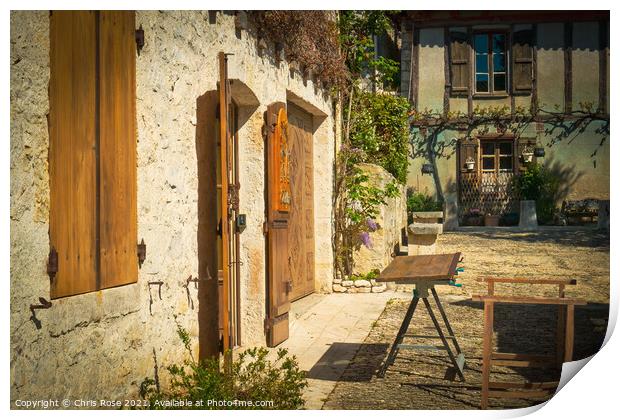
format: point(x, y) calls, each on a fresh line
point(426, 228)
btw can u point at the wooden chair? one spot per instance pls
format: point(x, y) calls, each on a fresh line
point(564, 340)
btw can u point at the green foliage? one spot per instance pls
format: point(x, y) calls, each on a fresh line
point(371, 275)
point(539, 184)
point(380, 130)
point(417, 201)
point(251, 377)
point(357, 28)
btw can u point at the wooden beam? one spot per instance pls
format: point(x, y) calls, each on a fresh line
point(415, 67)
point(524, 385)
point(446, 60)
point(603, 35)
point(529, 300)
point(521, 394)
point(486, 353)
point(568, 67)
point(522, 356)
point(534, 98)
point(528, 280)
point(569, 338)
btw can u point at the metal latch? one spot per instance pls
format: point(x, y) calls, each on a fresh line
point(141, 253)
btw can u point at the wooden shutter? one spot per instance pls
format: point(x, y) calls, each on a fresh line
point(72, 157)
point(278, 204)
point(118, 196)
point(460, 52)
point(522, 59)
point(468, 148)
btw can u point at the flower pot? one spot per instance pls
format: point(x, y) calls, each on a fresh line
point(491, 220)
point(527, 157)
point(469, 164)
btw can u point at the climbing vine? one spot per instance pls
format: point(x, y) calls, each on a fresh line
point(429, 128)
point(374, 130)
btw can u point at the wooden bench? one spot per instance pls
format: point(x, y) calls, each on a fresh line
point(564, 340)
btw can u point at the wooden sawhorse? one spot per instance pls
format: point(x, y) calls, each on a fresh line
point(564, 340)
point(424, 272)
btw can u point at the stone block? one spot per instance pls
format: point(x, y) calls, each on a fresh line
point(527, 215)
point(379, 288)
point(363, 289)
point(603, 214)
point(347, 283)
point(337, 280)
point(362, 283)
point(339, 289)
point(426, 228)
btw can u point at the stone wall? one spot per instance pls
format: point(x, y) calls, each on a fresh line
point(391, 221)
point(103, 344)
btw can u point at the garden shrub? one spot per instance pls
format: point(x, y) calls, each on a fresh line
point(251, 377)
point(418, 201)
point(542, 185)
point(380, 129)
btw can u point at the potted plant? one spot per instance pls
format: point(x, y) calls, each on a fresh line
point(491, 220)
point(527, 155)
point(469, 164)
point(473, 218)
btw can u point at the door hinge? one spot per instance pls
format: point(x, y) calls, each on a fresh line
point(265, 228)
point(141, 253)
point(221, 344)
point(52, 263)
point(289, 286)
point(139, 39)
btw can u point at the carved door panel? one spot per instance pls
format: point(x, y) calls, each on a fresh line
point(301, 224)
point(276, 227)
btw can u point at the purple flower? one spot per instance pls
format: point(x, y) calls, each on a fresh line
point(365, 238)
point(372, 225)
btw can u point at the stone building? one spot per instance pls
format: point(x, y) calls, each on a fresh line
point(456, 65)
point(117, 128)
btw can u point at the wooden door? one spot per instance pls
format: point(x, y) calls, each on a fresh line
point(277, 209)
point(301, 225)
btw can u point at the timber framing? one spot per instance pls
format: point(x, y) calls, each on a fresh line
point(568, 67)
point(429, 19)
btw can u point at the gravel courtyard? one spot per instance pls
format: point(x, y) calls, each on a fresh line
point(423, 380)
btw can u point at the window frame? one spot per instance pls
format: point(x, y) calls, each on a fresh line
point(490, 70)
point(497, 155)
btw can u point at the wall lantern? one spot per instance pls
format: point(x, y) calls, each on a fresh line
point(427, 168)
point(139, 39)
point(469, 164)
point(527, 155)
point(539, 152)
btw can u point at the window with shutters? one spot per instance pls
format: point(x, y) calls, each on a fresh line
point(92, 150)
point(491, 71)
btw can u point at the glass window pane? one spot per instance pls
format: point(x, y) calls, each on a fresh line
point(482, 63)
point(481, 43)
point(505, 149)
point(505, 163)
point(488, 163)
point(499, 62)
point(488, 148)
point(482, 83)
point(499, 82)
point(499, 41)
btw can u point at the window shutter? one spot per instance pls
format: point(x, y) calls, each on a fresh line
point(459, 63)
point(522, 73)
point(72, 158)
point(468, 149)
point(118, 195)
